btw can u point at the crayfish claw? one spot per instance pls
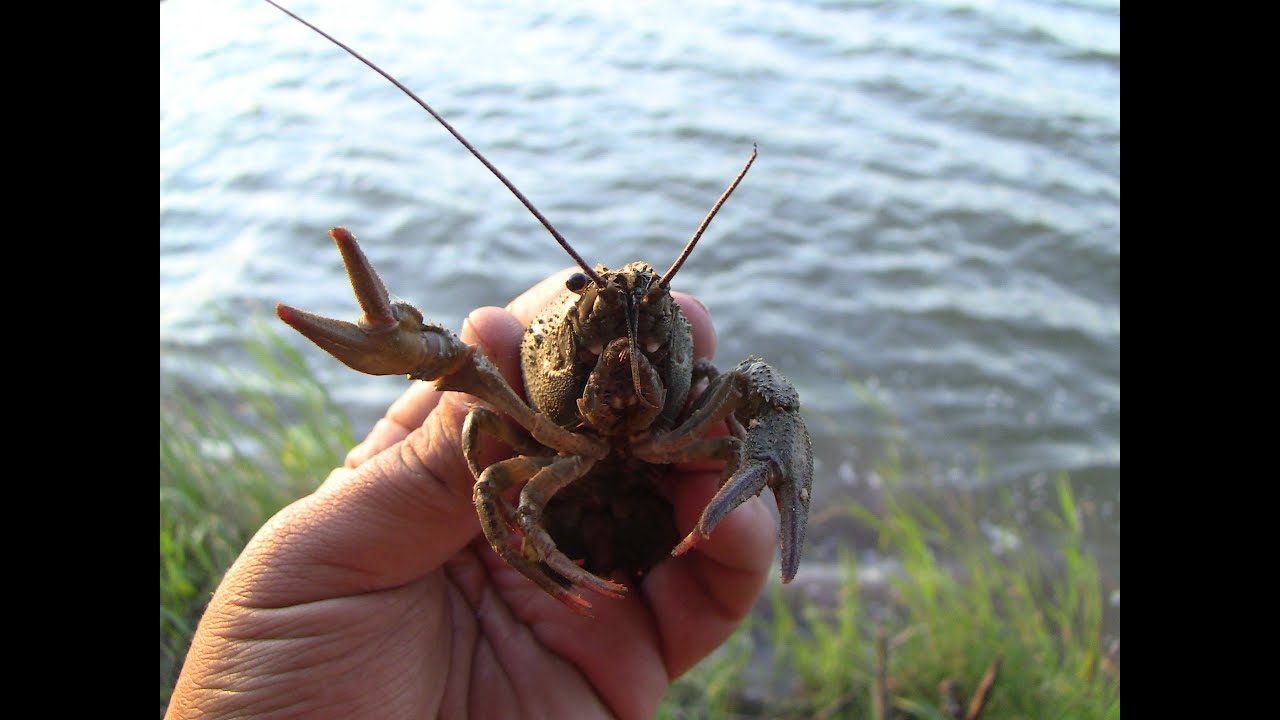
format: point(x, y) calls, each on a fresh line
point(345, 341)
point(775, 452)
point(372, 295)
point(390, 338)
point(793, 510)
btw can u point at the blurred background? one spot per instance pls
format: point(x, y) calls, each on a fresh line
point(928, 245)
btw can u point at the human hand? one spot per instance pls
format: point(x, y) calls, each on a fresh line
point(377, 595)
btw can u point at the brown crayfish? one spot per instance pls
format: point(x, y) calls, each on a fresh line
point(608, 371)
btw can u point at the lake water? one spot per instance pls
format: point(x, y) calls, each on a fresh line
point(928, 245)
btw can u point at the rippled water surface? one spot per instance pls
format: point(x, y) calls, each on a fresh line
point(932, 227)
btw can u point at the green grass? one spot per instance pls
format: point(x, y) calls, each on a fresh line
point(226, 466)
point(950, 614)
point(955, 602)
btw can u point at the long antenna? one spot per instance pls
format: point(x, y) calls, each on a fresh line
point(497, 173)
point(688, 248)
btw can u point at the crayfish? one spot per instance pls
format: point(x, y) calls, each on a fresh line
point(609, 374)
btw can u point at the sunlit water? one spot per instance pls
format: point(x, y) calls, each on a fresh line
point(928, 245)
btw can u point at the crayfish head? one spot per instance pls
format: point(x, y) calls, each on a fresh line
point(631, 305)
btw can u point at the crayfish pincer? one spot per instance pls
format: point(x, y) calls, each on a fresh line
point(609, 376)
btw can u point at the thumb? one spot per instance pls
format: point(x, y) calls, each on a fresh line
point(394, 517)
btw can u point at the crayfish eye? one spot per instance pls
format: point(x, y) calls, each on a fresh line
point(576, 282)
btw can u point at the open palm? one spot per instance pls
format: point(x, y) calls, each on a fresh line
point(377, 595)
